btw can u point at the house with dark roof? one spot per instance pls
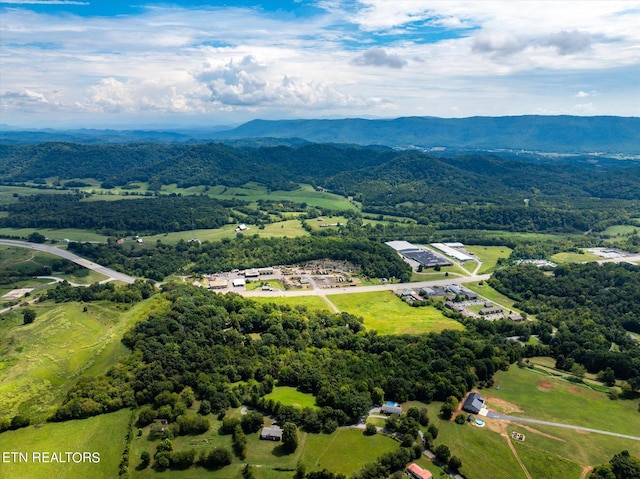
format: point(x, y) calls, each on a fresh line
point(273, 433)
point(473, 403)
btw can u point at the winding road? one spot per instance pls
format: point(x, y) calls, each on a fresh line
point(114, 275)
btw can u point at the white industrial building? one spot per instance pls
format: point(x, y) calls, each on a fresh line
point(453, 252)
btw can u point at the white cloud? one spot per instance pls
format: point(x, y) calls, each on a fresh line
point(379, 58)
point(248, 83)
point(369, 57)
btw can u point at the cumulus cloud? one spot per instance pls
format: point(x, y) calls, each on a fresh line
point(498, 44)
point(248, 83)
point(501, 44)
point(26, 100)
point(379, 58)
point(568, 43)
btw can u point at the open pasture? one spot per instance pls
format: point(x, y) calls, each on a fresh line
point(289, 396)
point(42, 360)
point(104, 435)
point(582, 257)
point(620, 230)
point(303, 194)
point(287, 228)
point(384, 312)
point(489, 256)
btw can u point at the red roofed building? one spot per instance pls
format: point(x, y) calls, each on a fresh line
point(416, 471)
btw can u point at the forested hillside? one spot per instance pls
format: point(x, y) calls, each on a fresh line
point(207, 342)
point(584, 313)
point(447, 192)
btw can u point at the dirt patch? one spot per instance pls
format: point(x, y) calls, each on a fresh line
point(502, 405)
point(585, 471)
point(575, 389)
point(535, 431)
point(581, 431)
point(547, 386)
point(496, 426)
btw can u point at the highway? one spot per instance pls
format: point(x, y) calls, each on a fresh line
point(114, 275)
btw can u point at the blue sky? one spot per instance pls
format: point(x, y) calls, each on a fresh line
point(116, 63)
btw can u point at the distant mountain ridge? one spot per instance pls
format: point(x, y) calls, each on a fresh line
point(562, 134)
point(553, 134)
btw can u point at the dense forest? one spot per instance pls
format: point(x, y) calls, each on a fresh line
point(209, 342)
point(584, 313)
point(142, 216)
point(460, 191)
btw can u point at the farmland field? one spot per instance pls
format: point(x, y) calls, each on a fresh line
point(386, 313)
point(103, 434)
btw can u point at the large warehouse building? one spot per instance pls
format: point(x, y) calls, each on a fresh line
point(418, 254)
point(453, 250)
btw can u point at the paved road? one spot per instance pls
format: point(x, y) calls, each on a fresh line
point(494, 415)
point(71, 257)
point(369, 289)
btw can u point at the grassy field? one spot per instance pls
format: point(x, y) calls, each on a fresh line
point(72, 234)
point(103, 434)
point(386, 313)
point(7, 193)
point(549, 398)
point(489, 256)
point(303, 194)
point(289, 396)
point(344, 451)
point(620, 230)
point(574, 257)
point(40, 361)
point(288, 228)
point(548, 452)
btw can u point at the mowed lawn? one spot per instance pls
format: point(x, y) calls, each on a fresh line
point(384, 312)
point(103, 434)
point(289, 396)
point(574, 257)
point(489, 255)
point(42, 360)
point(345, 450)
